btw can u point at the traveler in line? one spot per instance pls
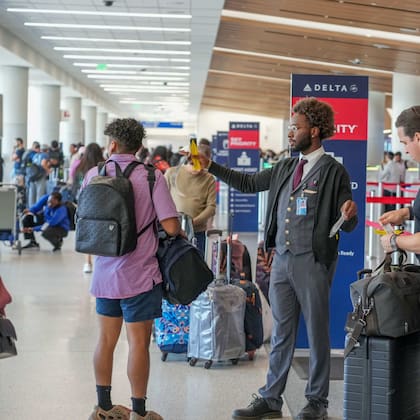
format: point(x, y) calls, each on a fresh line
point(49, 216)
point(408, 126)
point(194, 193)
point(37, 179)
point(91, 157)
point(301, 209)
point(17, 157)
point(391, 173)
point(129, 288)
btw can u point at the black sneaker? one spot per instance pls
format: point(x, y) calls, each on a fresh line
point(31, 244)
point(314, 410)
point(56, 248)
point(257, 409)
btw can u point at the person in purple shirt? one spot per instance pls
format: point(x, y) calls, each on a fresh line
point(128, 288)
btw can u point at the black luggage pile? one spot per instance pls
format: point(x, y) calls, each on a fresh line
point(382, 355)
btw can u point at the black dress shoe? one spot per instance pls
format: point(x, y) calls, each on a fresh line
point(257, 409)
point(314, 410)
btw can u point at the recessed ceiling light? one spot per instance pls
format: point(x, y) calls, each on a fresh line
point(105, 58)
point(111, 76)
point(100, 13)
point(149, 73)
point(123, 41)
point(143, 67)
point(123, 50)
point(107, 27)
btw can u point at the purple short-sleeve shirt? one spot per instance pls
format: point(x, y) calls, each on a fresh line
point(138, 271)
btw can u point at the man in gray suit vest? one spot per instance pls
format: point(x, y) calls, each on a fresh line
point(305, 199)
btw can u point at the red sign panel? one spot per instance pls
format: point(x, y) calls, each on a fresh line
point(350, 117)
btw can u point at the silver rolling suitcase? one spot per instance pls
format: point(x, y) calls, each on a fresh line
point(217, 315)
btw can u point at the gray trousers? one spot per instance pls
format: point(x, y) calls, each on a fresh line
point(298, 283)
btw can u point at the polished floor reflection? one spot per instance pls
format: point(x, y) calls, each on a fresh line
point(52, 377)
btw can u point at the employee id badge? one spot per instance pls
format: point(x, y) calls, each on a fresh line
point(301, 206)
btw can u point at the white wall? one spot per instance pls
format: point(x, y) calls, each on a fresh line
point(271, 129)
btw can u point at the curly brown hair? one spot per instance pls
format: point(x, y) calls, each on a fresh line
point(319, 114)
point(127, 132)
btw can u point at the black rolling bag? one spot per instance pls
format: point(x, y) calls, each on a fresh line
point(382, 379)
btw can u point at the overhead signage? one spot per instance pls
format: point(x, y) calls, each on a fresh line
point(162, 124)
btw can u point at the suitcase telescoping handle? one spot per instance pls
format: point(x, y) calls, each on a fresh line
point(209, 250)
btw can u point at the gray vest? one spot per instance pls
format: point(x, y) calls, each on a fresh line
point(294, 232)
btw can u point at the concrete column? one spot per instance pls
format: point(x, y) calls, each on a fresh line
point(71, 130)
point(376, 125)
point(405, 93)
point(44, 113)
point(89, 116)
point(101, 122)
point(14, 87)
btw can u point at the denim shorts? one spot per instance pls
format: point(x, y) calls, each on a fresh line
point(142, 307)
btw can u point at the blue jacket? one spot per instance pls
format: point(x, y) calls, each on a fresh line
point(56, 216)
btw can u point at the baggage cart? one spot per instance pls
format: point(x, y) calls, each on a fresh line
point(9, 222)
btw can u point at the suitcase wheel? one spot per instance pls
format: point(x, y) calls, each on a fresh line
point(192, 361)
point(164, 356)
point(208, 364)
point(234, 361)
point(251, 355)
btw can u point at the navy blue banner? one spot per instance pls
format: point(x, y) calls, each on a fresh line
point(348, 95)
point(222, 149)
point(329, 86)
point(244, 207)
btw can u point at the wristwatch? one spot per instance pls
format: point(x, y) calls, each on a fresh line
point(393, 242)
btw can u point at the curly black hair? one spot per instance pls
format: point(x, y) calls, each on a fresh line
point(409, 120)
point(127, 132)
point(319, 114)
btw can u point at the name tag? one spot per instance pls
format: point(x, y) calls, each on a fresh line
point(301, 206)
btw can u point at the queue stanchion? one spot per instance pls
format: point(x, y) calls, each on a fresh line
point(398, 194)
point(371, 234)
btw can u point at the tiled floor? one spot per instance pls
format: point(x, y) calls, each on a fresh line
point(52, 377)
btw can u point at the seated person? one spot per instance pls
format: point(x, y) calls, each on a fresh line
point(48, 216)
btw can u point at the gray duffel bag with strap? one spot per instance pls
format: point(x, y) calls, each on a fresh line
point(385, 303)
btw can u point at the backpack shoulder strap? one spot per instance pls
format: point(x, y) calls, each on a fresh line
point(102, 168)
point(130, 168)
point(151, 177)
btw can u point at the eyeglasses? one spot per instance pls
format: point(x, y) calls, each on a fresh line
point(294, 128)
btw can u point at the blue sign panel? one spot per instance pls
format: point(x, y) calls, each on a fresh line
point(162, 124)
point(222, 149)
point(244, 207)
point(348, 95)
point(321, 86)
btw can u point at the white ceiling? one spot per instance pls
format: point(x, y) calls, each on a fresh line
point(22, 45)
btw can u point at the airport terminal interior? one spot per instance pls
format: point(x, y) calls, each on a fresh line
point(187, 69)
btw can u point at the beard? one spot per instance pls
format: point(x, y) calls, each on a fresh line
point(304, 143)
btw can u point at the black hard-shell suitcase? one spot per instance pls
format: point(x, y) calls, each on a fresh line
point(382, 379)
